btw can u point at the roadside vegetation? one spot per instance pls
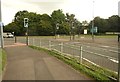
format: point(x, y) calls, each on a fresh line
point(60, 23)
point(3, 60)
point(98, 73)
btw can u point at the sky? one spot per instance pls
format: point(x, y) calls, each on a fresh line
point(83, 9)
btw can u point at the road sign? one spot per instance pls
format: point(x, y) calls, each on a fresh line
point(25, 22)
point(85, 31)
point(94, 30)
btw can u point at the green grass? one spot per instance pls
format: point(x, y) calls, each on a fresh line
point(102, 70)
point(99, 74)
point(3, 59)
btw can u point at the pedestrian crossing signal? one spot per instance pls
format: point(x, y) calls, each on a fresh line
point(25, 22)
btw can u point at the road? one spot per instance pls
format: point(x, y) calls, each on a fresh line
point(99, 54)
point(102, 54)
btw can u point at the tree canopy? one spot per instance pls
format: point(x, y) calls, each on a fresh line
point(112, 24)
point(60, 23)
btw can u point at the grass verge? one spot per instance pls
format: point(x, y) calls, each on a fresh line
point(97, 75)
point(3, 59)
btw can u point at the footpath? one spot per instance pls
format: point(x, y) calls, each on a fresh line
point(25, 63)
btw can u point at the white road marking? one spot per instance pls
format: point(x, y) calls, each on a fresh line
point(101, 45)
point(103, 49)
point(114, 60)
point(105, 46)
point(91, 62)
point(99, 54)
point(109, 57)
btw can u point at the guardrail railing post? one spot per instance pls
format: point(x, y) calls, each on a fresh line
point(15, 39)
point(28, 40)
point(81, 54)
point(61, 47)
point(49, 44)
point(40, 43)
point(33, 41)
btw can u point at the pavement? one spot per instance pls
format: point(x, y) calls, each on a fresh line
point(25, 63)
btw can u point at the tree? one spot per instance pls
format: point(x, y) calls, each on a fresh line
point(19, 21)
point(107, 25)
point(58, 17)
point(45, 25)
point(34, 23)
point(41, 24)
point(68, 24)
point(70, 19)
point(114, 22)
point(101, 24)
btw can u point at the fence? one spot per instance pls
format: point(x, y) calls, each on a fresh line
point(97, 56)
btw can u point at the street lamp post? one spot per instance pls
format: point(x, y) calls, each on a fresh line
point(1, 28)
point(92, 30)
point(73, 30)
point(93, 24)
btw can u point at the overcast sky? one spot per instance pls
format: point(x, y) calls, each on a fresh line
point(83, 9)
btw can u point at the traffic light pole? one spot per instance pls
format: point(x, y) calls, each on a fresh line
point(26, 25)
point(27, 41)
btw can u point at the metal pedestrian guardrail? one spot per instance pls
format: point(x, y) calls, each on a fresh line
point(97, 56)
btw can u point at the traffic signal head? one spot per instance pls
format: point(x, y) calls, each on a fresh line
point(25, 22)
